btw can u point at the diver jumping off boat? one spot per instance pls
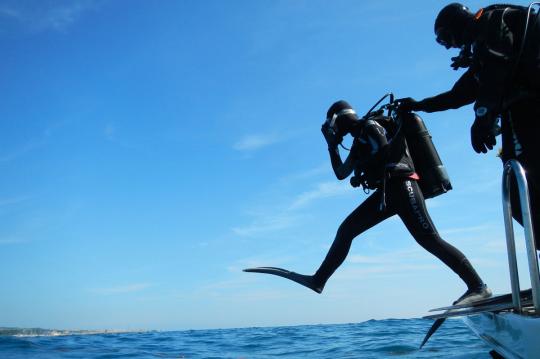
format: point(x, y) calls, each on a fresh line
point(379, 160)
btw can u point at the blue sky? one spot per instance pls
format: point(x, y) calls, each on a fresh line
point(151, 150)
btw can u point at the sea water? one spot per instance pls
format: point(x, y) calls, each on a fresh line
point(392, 338)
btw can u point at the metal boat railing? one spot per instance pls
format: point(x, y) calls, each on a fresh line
point(515, 168)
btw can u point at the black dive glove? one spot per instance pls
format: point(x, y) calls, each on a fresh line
point(332, 139)
point(361, 180)
point(356, 181)
point(460, 62)
point(483, 130)
point(463, 60)
point(408, 104)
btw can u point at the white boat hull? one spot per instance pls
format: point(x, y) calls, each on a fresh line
point(511, 335)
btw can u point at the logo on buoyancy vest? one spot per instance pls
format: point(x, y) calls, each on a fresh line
point(415, 207)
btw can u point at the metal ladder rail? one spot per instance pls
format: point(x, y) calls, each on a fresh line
point(514, 167)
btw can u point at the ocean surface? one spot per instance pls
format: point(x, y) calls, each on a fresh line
point(392, 338)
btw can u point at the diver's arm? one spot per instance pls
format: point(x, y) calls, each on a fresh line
point(462, 93)
point(341, 169)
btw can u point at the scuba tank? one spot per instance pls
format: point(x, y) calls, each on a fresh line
point(434, 179)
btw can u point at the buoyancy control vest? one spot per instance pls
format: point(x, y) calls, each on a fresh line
point(411, 151)
point(381, 163)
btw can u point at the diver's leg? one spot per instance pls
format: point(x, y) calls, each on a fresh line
point(361, 219)
point(413, 213)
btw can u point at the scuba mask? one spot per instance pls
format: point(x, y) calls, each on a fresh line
point(331, 122)
point(445, 38)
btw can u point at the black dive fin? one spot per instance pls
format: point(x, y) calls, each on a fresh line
point(476, 310)
point(500, 302)
point(504, 298)
point(432, 330)
point(305, 280)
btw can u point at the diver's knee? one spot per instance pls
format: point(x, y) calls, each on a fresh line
point(428, 241)
point(343, 233)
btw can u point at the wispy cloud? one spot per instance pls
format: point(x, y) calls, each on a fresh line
point(6, 11)
point(45, 15)
point(323, 168)
point(8, 241)
point(412, 254)
point(255, 141)
point(39, 141)
point(265, 224)
point(499, 246)
point(240, 288)
point(471, 229)
point(393, 262)
point(360, 259)
point(322, 190)
point(286, 215)
point(122, 289)
point(13, 200)
point(61, 17)
point(22, 150)
point(8, 205)
point(488, 186)
point(355, 273)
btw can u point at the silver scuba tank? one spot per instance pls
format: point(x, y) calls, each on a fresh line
point(434, 179)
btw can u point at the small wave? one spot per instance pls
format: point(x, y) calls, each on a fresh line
point(39, 332)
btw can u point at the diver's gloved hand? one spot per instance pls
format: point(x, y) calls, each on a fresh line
point(463, 60)
point(460, 62)
point(407, 104)
point(483, 130)
point(332, 139)
point(356, 181)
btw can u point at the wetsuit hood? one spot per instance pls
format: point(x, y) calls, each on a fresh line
point(453, 24)
point(342, 118)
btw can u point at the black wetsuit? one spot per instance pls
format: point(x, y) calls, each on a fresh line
point(507, 84)
point(388, 168)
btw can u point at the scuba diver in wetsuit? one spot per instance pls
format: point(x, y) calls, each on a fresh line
point(500, 47)
point(386, 167)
